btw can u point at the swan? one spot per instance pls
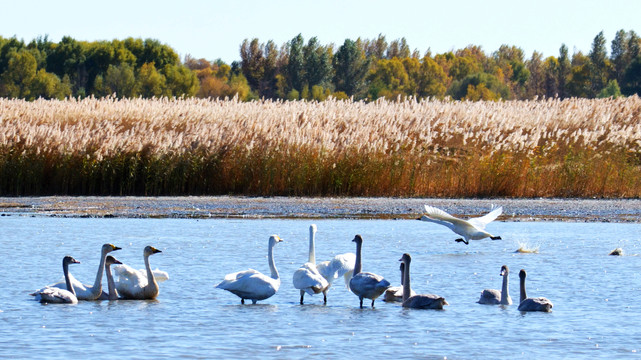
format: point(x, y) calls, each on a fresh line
point(532, 304)
point(127, 272)
point(422, 301)
point(55, 295)
point(365, 284)
point(251, 284)
point(307, 278)
point(111, 285)
point(395, 293)
point(340, 265)
point(495, 297)
point(471, 229)
point(140, 288)
point(88, 292)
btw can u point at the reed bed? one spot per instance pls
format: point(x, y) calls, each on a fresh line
point(566, 148)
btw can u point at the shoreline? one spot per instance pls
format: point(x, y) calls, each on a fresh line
point(201, 207)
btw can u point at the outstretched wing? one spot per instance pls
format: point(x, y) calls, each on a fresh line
point(481, 222)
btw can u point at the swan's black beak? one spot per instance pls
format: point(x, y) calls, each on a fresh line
point(156, 251)
point(116, 248)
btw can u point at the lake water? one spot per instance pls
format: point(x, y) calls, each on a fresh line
point(596, 308)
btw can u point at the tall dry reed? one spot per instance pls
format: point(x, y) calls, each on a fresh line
point(574, 147)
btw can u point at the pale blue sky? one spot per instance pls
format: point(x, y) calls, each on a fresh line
point(215, 29)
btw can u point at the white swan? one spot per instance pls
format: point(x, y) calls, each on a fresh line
point(340, 265)
point(532, 304)
point(140, 288)
point(421, 301)
point(87, 292)
point(251, 284)
point(496, 297)
point(365, 284)
point(127, 272)
point(307, 278)
point(111, 285)
point(55, 295)
point(395, 293)
point(471, 229)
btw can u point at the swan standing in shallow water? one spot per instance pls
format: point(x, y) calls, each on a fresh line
point(87, 292)
point(251, 284)
point(532, 304)
point(365, 284)
point(421, 301)
point(395, 293)
point(140, 288)
point(55, 295)
point(495, 297)
point(471, 229)
point(307, 278)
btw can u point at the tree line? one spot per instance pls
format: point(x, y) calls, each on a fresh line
point(299, 69)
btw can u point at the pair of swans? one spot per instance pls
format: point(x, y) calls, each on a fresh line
point(495, 297)
point(251, 284)
point(136, 288)
point(395, 293)
point(419, 301)
point(471, 229)
point(312, 278)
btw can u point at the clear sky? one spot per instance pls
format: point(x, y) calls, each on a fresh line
point(215, 29)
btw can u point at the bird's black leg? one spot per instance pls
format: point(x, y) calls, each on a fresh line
point(242, 301)
point(372, 304)
point(462, 240)
point(324, 298)
point(302, 294)
point(361, 303)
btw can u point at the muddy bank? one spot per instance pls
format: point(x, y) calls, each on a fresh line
point(285, 207)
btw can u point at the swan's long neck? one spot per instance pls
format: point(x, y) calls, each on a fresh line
point(358, 266)
point(406, 281)
point(312, 246)
point(65, 271)
point(151, 280)
point(270, 258)
point(523, 294)
point(505, 292)
point(111, 285)
point(96, 289)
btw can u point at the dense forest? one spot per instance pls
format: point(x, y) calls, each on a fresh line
point(363, 69)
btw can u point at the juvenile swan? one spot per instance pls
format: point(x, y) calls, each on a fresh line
point(422, 301)
point(307, 278)
point(495, 297)
point(55, 295)
point(140, 288)
point(87, 292)
point(365, 284)
point(532, 304)
point(111, 285)
point(395, 293)
point(471, 229)
point(251, 284)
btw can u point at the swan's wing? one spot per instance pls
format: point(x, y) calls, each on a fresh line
point(160, 275)
point(536, 304)
point(367, 284)
point(55, 295)
point(490, 297)
point(253, 285)
point(441, 217)
point(481, 222)
point(236, 279)
point(425, 301)
point(340, 265)
point(82, 290)
point(307, 278)
point(128, 278)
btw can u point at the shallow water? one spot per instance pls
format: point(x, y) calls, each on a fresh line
point(596, 308)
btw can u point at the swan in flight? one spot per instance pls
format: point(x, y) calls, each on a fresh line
point(421, 301)
point(495, 297)
point(307, 278)
point(471, 229)
point(111, 285)
point(88, 292)
point(55, 295)
point(395, 293)
point(532, 304)
point(365, 284)
point(137, 287)
point(251, 284)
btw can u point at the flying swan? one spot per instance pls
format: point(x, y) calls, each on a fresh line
point(307, 278)
point(136, 287)
point(532, 304)
point(471, 229)
point(365, 284)
point(421, 301)
point(55, 295)
point(495, 297)
point(251, 284)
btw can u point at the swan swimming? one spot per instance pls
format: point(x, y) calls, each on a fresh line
point(307, 278)
point(55, 295)
point(471, 229)
point(496, 297)
point(251, 284)
point(365, 284)
point(112, 293)
point(421, 301)
point(395, 293)
point(88, 292)
point(532, 304)
point(140, 288)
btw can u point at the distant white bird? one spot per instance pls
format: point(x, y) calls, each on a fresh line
point(307, 278)
point(532, 304)
point(420, 301)
point(138, 287)
point(495, 297)
point(55, 295)
point(365, 284)
point(251, 284)
point(471, 229)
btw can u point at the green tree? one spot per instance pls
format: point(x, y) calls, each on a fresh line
point(150, 83)
point(432, 80)
point(563, 71)
point(619, 54)
point(632, 78)
point(68, 57)
point(181, 81)
point(535, 86)
point(389, 79)
point(296, 62)
point(598, 65)
point(611, 90)
point(317, 63)
point(350, 69)
point(19, 76)
point(491, 83)
point(398, 49)
point(252, 62)
point(121, 81)
point(579, 82)
point(48, 86)
point(551, 79)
